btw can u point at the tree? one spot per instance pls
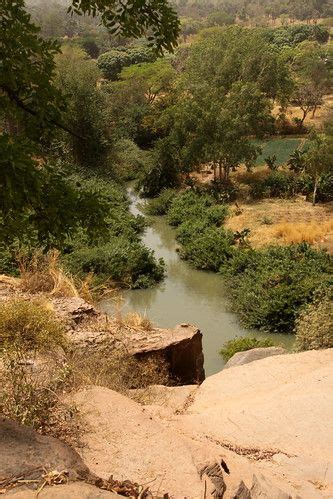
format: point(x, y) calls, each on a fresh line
point(153, 78)
point(137, 100)
point(222, 56)
point(318, 159)
point(311, 69)
point(32, 106)
point(222, 101)
point(135, 19)
point(77, 75)
point(220, 18)
point(112, 62)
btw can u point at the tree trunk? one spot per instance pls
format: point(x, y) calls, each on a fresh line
point(220, 171)
point(314, 196)
point(226, 173)
point(214, 168)
point(305, 113)
point(314, 111)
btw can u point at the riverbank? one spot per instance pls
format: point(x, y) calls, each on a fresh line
point(186, 295)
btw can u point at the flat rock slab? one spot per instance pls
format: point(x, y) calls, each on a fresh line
point(75, 490)
point(241, 358)
point(125, 441)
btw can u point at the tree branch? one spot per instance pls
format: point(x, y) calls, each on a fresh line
point(19, 103)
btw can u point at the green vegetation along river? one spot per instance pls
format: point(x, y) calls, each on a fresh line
point(186, 295)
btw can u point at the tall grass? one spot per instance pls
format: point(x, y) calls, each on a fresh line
point(43, 273)
point(311, 233)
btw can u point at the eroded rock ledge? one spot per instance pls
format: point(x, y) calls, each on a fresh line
point(89, 329)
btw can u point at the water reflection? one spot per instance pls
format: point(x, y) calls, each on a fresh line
point(186, 295)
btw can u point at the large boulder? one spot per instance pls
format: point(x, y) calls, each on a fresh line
point(181, 347)
point(266, 424)
point(26, 453)
point(277, 412)
point(241, 358)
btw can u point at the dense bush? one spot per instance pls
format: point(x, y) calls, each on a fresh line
point(242, 345)
point(314, 326)
point(112, 62)
point(161, 204)
point(162, 172)
point(268, 287)
point(277, 184)
point(190, 205)
point(205, 244)
point(121, 261)
point(130, 159)
point(208, 250)
point(324, 189)
point(295, 34)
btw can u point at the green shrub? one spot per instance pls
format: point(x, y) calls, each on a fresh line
point(161, 204)
point(324, 190)
point(33, 397)
point(27, 325)
point(314, 326)
point(112, 62)
point(163, 171)
point(123, 262)
point(190, 229)
point(190, 205)
point(278, 184)
point(208, 250)
point(268, 287)
point(243, 344)
point(130, 159)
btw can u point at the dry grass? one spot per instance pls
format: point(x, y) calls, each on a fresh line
point(120, 371)
point(304, 232)
point(270, 219)
point(43, 273)
point(134, 320)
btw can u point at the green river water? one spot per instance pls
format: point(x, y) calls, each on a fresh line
point(186, 295)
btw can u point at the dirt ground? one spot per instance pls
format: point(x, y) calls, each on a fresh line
point(284, 221)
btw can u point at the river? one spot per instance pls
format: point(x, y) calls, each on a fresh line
point(186, 295)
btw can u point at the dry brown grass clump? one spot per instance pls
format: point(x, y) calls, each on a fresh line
point(43, 273)
point(119, 371)
point(267, 217)
point(33, 395)
point(133, 320)
point(312, 232)
point(33, 372)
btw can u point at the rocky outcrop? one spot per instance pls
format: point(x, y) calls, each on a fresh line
point(267, 423)
point(74, 310)
point(241, 358)
point(91, 330)
point(36, 461)
point(181, 347)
